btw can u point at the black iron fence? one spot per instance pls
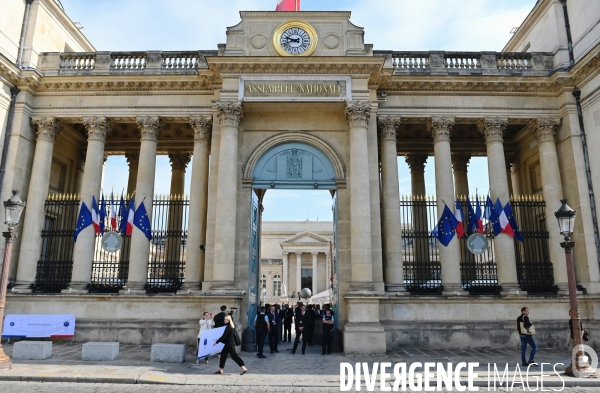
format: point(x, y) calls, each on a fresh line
point(56, 260)
point(166, 268)
point(420, 248)
point(534, 267)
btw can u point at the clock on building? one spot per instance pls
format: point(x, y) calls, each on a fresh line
point(295, 38)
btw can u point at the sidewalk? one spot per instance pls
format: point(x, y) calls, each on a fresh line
point(279, 369)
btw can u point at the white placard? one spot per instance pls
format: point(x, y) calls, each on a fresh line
point(55, 325)
point(207, 339)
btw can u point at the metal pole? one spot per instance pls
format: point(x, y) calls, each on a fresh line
point(5, 362)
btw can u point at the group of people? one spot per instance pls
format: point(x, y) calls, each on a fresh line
point(275, 322)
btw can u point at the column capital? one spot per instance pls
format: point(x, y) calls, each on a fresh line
point(493, 128)
point(544, 128)
point(202, 127)
point(298, 253)
point(133, 159)
point(460, 161)
point(358, 113)
point(314, 253)
point(285, 253)
point(388, 126)
point(150, 127)
point(180, 160)
point(230, 113)
point(416, 161)
point(47, 128)
point(440, 127)
point(97, 127)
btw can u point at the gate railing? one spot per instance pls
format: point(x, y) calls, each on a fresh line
point(166, 267)
point(55, 265)
point(420, 249)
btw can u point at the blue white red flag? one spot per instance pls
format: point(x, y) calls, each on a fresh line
point(478, 215)
point(460, 217)
point(102, 217)
point(122, 216)
point(130, 217)
point(513, 223)
point(113, 213)
point(288, 5)
point(503, 219)
point(95, 215)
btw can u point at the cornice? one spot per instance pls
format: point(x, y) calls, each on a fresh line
point(295, 15)
point(587, 68)
point(122, 83)
point(295, 65)
point(9, 72)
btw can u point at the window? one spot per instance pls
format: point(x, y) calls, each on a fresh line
point(307, 278)
point(263, 283)
point(277, 285)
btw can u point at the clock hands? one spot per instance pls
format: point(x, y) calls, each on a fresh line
point(293, 39)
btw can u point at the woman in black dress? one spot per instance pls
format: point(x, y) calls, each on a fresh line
point(229, 348)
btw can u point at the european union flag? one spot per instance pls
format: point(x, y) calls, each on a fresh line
point(446, 226)
point(84, 220)
point(492, 217)
point(102, 214)
point(472, 217)
point(497, 211)
point(141, 220)
point(122, 216)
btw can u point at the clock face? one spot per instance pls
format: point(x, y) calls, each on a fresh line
point(295, 38)
point(295, 41)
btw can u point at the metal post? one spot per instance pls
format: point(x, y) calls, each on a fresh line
point(5, 362)
point(574, 313)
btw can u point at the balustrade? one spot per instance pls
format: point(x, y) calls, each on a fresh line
point(180, 60)
point(462, 61)
point(77, 61)
point(131, 61)
point(411, 60)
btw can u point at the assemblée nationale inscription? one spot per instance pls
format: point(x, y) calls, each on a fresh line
point(299, 89)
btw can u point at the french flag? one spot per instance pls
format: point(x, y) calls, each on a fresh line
point(113, 213)
point(95, 215)
point(478, 215)
point(503, 219)
point(460, 217)
point(130, 216)
point(288, 5)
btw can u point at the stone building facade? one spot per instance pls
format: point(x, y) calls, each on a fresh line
point(300, 101)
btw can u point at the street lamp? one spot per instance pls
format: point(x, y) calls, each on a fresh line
point(566, 222)
point(12, 213)
point(264, 294)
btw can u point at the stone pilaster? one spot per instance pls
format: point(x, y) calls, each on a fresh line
point(315, 276)
point(493, 129)
point(357, 116)
point(544, 129)
point(83, 254)
point(194, 264)
point(230, 115)
point(47, 129)
point(150, 128)
point(441, 128)
point(284, 279)
point(133, 160)
point(392, 248)
point(298, 272)
point(460, 163)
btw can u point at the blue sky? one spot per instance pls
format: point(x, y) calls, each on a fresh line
point(465, 25)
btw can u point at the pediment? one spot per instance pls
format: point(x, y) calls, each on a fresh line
point(305, 237)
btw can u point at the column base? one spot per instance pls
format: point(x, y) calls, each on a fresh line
point(190, 289)
point(134, 288)
point(591, 288)
point(76, 288)
point(563, 289)
point(22, 287)
point(397, 289)
point(511, 290)
point(361, 288)
point(453, 290)
point(227, 286)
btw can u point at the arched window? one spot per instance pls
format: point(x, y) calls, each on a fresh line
point(277, 285)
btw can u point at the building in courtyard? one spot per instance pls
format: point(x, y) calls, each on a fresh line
point(298, 100)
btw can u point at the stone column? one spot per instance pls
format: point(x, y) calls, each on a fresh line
point(179, 161)
point(230, 115)
point(515, 176)
point(314, 276)
point(510, 158)
point(284, 279)
point(327, 271)
point(133, 159)
point(493, 129)
point(33, 222)
point(357, 116)
point(421, 258)
point(150, 129)
point(460, 162)
point(298, 272)
point(83, 253)
point(392, 232)
point(544, 129)
point(440, 128)
point(194, 263)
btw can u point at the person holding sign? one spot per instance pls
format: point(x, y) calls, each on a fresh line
point(206, 323)
point(229, 340)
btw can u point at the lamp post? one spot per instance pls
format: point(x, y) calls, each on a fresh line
point(264, 294)
point(566, 222)
point(13, 209)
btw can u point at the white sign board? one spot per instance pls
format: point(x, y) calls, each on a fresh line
point(25, 326)
point(207, 339)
